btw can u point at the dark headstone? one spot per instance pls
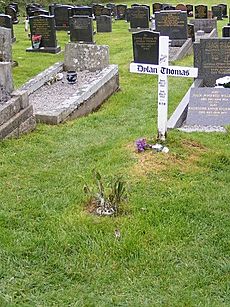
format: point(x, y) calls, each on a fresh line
point(139, 17)
point(81, 10)
point(157, 7)
point(148, 7)
point(209, 107)
point(38, 12)
point(44, 26)
point(169, 7)
point(33, 7)
point(81, 29)
point(226, 31)
point(146, 47)
point(15, 6)
point(6, 22)
point(212, 58)
point(61, 14)
point(217, 12)
point(112, 6)
point(106, 11)
point(172, 24)
point(224, 8)
point(10, 10)
point(201, 11)
point(104, 23)
point(191, 31)
point(121, 11)
point(189, 10)
point(97, 9)
point(135, 4)
point(127, 16)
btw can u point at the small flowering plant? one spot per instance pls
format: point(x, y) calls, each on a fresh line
point(142, 145)
point(36, 41)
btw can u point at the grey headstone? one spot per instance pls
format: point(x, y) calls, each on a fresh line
point(212, 58)
point(217, 12)
point(6, 81)
point(104, 24)
point(172, 24)
point(209, 107)
point(5, 45)
point(86, 57)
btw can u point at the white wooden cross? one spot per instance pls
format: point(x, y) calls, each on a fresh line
point(163, 70)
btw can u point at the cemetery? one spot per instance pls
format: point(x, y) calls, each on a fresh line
point(114, 153)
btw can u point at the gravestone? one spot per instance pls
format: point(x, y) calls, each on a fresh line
point(217, 12)
point(157, 7)
point(226, 31)
point(104, 24)
point(201, 11)
point(172, 24)
point(209, 107)
point(206, 25)
point(6, 22)
point(106, 11)
point(61, 14)
point(97, 9)
point(81, 10)
point(127, 15)
point(191, 31)
point(189, 10)
point(5, 45)
point(146, 47)
point(6, 82)
point(139, 17)
point(81, 29)
point(181, 7)
point(121, 11)
point(38, 12)
point(112, 6)
point(15, 6)
point(51, 8)
point(44, 26)
point(148, 7)
point(168, 7)
point(11, 11)
point(224, 8)
point(212, 58)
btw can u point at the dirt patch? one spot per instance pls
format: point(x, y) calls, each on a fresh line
point(158, 162)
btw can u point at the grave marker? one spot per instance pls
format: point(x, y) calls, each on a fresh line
point(121, 11)
point(226, 31)
point(5, 45)
point(201, 11)
point(61, 14)
point(81, 29)
point(11, 11)
point(163, 70)
point(104, 24)
point(6, 22)
point(217, 12)
point(139, 17)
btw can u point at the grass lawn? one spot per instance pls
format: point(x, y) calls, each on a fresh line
point(174, 245)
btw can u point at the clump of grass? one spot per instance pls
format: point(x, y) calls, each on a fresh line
point(105, 196)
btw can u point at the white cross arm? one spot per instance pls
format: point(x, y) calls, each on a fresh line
point(173, 71)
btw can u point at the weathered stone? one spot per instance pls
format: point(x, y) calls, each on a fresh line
point(86, 57)
point(6, 80)
point(5, 45)
point(207, 25)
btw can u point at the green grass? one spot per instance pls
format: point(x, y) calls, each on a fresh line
point(174, 246)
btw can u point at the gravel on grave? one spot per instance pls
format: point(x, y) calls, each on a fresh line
point(51, 96)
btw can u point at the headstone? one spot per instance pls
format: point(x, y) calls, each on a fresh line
point(81, 10)
point(157, 7)
point(148, 7)
point(44, 26)
point(168, 7)
point(191, 31)
point(51, 8)
point(181, 7)
point(15, 6)
point(189, 10)
point(209, 107)
point(172, 24)
point(61, 14)
point(104, 23)
point(97, 9)
point(217, 12)
point(11, 11)
point(121, 11)
point(33, 7)
point(38, 12)
point(224, 8)
point(6, 82)
point(127, 16)
point(226, 31)
point(139, 17)
point(5, 45)
point(112, 6)
point(146, 47)
point(6, 22)
point(212, 58)
point(201, 11)
point(207, 25)
point(81, 29)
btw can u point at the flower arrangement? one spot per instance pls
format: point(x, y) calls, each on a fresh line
point(36, 41)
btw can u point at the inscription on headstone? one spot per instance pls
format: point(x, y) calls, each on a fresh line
point(209, 106)
point(172, 24)
point(146, 47)
point(201, 11)
point(212, 58)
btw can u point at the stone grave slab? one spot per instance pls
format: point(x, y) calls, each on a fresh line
point(209, 107)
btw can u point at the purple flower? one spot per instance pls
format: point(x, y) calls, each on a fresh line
point(141, 145)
